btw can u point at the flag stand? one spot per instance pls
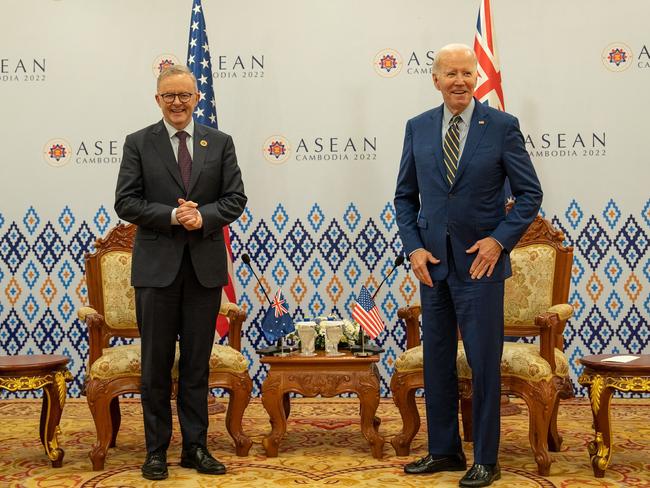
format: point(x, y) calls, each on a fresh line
point(363, 350)
point(282, 352)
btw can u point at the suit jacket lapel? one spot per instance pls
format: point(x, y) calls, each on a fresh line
point(436, 115)
point(477, 126)
point(164, 149)
point(200, 152)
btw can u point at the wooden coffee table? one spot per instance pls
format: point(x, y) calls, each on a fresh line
point(33, 372)
point(603, 378)
point(320, 375)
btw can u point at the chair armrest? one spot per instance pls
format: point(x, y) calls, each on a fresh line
point(85, 311)
point(411, 316)
point(98, 335)
point(236, 317)
point(551, 327)
point(563, 310)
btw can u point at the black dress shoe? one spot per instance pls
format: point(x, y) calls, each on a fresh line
point(481, 475)
point(155, 466)
point(434, 464)
point(198, 457)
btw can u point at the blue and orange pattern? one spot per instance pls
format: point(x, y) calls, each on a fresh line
point(320, 261)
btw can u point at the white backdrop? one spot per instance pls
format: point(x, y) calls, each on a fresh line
point(77, 76)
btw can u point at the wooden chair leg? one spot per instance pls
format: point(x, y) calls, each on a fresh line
point(466, 414)
point(240, 395)
point(554, 438)
point(404, 399)
point(538, 430)
point(116, 419)
point(100, 410)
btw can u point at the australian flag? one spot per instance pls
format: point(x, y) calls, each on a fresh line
point(277, 321)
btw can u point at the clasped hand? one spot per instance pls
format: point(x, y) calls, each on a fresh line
point(188, 214)
point(488, 251)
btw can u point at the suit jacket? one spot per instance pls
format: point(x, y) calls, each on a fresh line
point(473, 207)
point(148, 187)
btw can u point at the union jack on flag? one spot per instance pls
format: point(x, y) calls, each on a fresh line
point(198, 60)
point(277, 321)
point(488, 88)
point(366, 314)
point(278, 304)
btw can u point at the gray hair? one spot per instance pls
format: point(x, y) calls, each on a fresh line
point(176, 69)
point(449, 48)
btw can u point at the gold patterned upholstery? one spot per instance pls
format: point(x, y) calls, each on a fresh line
point(529, 290)
point(122, 361)
point(119, 295)
point(521, 360)
point(534, 305)
point(114, 371)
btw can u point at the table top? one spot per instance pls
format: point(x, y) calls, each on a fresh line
point(639, 366)
point(320, 358)
point(30, 362)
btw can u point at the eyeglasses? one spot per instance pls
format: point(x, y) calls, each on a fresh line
point(170, 97)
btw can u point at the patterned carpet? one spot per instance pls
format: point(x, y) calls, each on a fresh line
point(323, 447)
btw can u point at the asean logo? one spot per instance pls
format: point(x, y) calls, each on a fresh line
point(276, 149)
point(617, 57)
point(163, 61)
point(388, 63)
point(56, 152)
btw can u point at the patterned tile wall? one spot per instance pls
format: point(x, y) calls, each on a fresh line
point(320, 261)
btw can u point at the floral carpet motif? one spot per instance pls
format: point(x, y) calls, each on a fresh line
point(323, 447)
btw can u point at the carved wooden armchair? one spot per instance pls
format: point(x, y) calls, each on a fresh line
point(535, 304)
point(114, 371)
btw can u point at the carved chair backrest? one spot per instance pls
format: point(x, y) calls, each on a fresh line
point(541, 274)
point(108, 276)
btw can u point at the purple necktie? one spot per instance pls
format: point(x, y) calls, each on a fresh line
point(184, 158)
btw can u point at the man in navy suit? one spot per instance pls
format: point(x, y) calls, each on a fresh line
point(179, 182)
point(451, 216)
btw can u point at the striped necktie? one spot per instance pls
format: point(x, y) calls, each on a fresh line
point(451, 148)
point(184, 159)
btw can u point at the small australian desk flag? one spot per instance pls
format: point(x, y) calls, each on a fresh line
point(277, 321)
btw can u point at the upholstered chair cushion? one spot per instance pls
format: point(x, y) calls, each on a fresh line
point(518, 359)
point(119, 295)
point(410, 360)
point(121, 361)
point(529, 291)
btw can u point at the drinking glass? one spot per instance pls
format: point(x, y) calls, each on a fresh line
point(333, 334)
point(307, 335)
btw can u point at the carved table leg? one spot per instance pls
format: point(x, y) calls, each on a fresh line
point(273, 401)
point(53, 400)
point(239, 398)
point(368, 391)
point(404, 399)
point(600, 449)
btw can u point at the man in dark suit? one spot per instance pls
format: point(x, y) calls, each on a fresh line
point(179, 182)
point(450, 212)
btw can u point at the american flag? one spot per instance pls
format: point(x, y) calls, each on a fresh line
point(366, 314)
point(488, 88)
point(198, 60)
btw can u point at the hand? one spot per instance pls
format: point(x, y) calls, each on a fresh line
point(188, 215)
point(419, 261)
point(489, 251)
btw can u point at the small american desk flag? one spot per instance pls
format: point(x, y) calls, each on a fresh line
point(198, 60)
point(366, 314)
